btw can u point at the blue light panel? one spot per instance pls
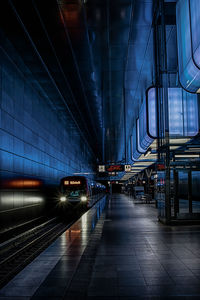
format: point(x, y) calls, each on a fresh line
point(183, 119)
point(146, 123)
point(195, 30)
point(175, 111)
point(189, 73)
point(152, 118)
point(183, 113)
point(139, 138)
point(142, 124)
point(134, 152)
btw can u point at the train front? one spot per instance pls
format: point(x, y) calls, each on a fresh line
point(74, 190)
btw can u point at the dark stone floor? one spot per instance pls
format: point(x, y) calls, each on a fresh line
point(127, 255)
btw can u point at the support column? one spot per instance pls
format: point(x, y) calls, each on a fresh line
point(176, 196)
point(190, 191)
point(166, 113)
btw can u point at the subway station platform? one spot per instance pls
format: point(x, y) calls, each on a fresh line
point(117, 250)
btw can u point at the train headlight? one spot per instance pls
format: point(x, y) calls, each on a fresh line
point(83, 198)
point(63, 199)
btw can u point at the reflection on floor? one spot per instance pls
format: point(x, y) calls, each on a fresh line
point(128, 254)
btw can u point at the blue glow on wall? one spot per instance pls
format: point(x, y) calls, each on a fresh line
point(34, 141)
point(188, 39)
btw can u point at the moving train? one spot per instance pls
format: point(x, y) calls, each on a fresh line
point(78, 190)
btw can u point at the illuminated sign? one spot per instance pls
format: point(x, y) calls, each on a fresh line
point(127, 168)
point(115, 168)
point(72, 182)
point(112, 173)
point(160, 167)
point(101, 168)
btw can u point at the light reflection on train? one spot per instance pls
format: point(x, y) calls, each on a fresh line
point(78, 190)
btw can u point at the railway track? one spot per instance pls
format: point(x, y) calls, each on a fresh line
point(16, 253)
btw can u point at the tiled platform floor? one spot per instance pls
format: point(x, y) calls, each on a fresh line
point(127, 255)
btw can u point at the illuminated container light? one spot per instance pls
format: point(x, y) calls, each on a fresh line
point(145, 131)
point(151, 114)
point(140, 138)
point(183, 121)
point(183, 114)
point(147, 121)
point(134, 152)
point(195, 30)
point(188, 39)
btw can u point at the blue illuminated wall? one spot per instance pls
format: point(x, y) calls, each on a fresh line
point(34, 141)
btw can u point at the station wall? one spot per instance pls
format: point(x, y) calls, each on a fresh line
point(35, 143)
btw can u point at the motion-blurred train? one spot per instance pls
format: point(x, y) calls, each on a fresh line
point(78, 190)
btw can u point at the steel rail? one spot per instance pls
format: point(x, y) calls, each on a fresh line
point(16, 261)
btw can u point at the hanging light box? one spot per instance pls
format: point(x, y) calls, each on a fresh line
point(188, 39)
point(183, 113)
point(183, 119)
point(135, 154)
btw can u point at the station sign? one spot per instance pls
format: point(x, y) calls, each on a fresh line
point(101, 168)
point(115, 168)
point(127, 168)
point(112, 169)
point(112, 173)
point(160, 167)
point(72, 182)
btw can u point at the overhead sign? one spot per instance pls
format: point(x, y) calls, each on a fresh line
point(127, 168)
point(72, 182)
point(101, 168)
point(160, 167)
point(115, 168)
point(112, 173)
